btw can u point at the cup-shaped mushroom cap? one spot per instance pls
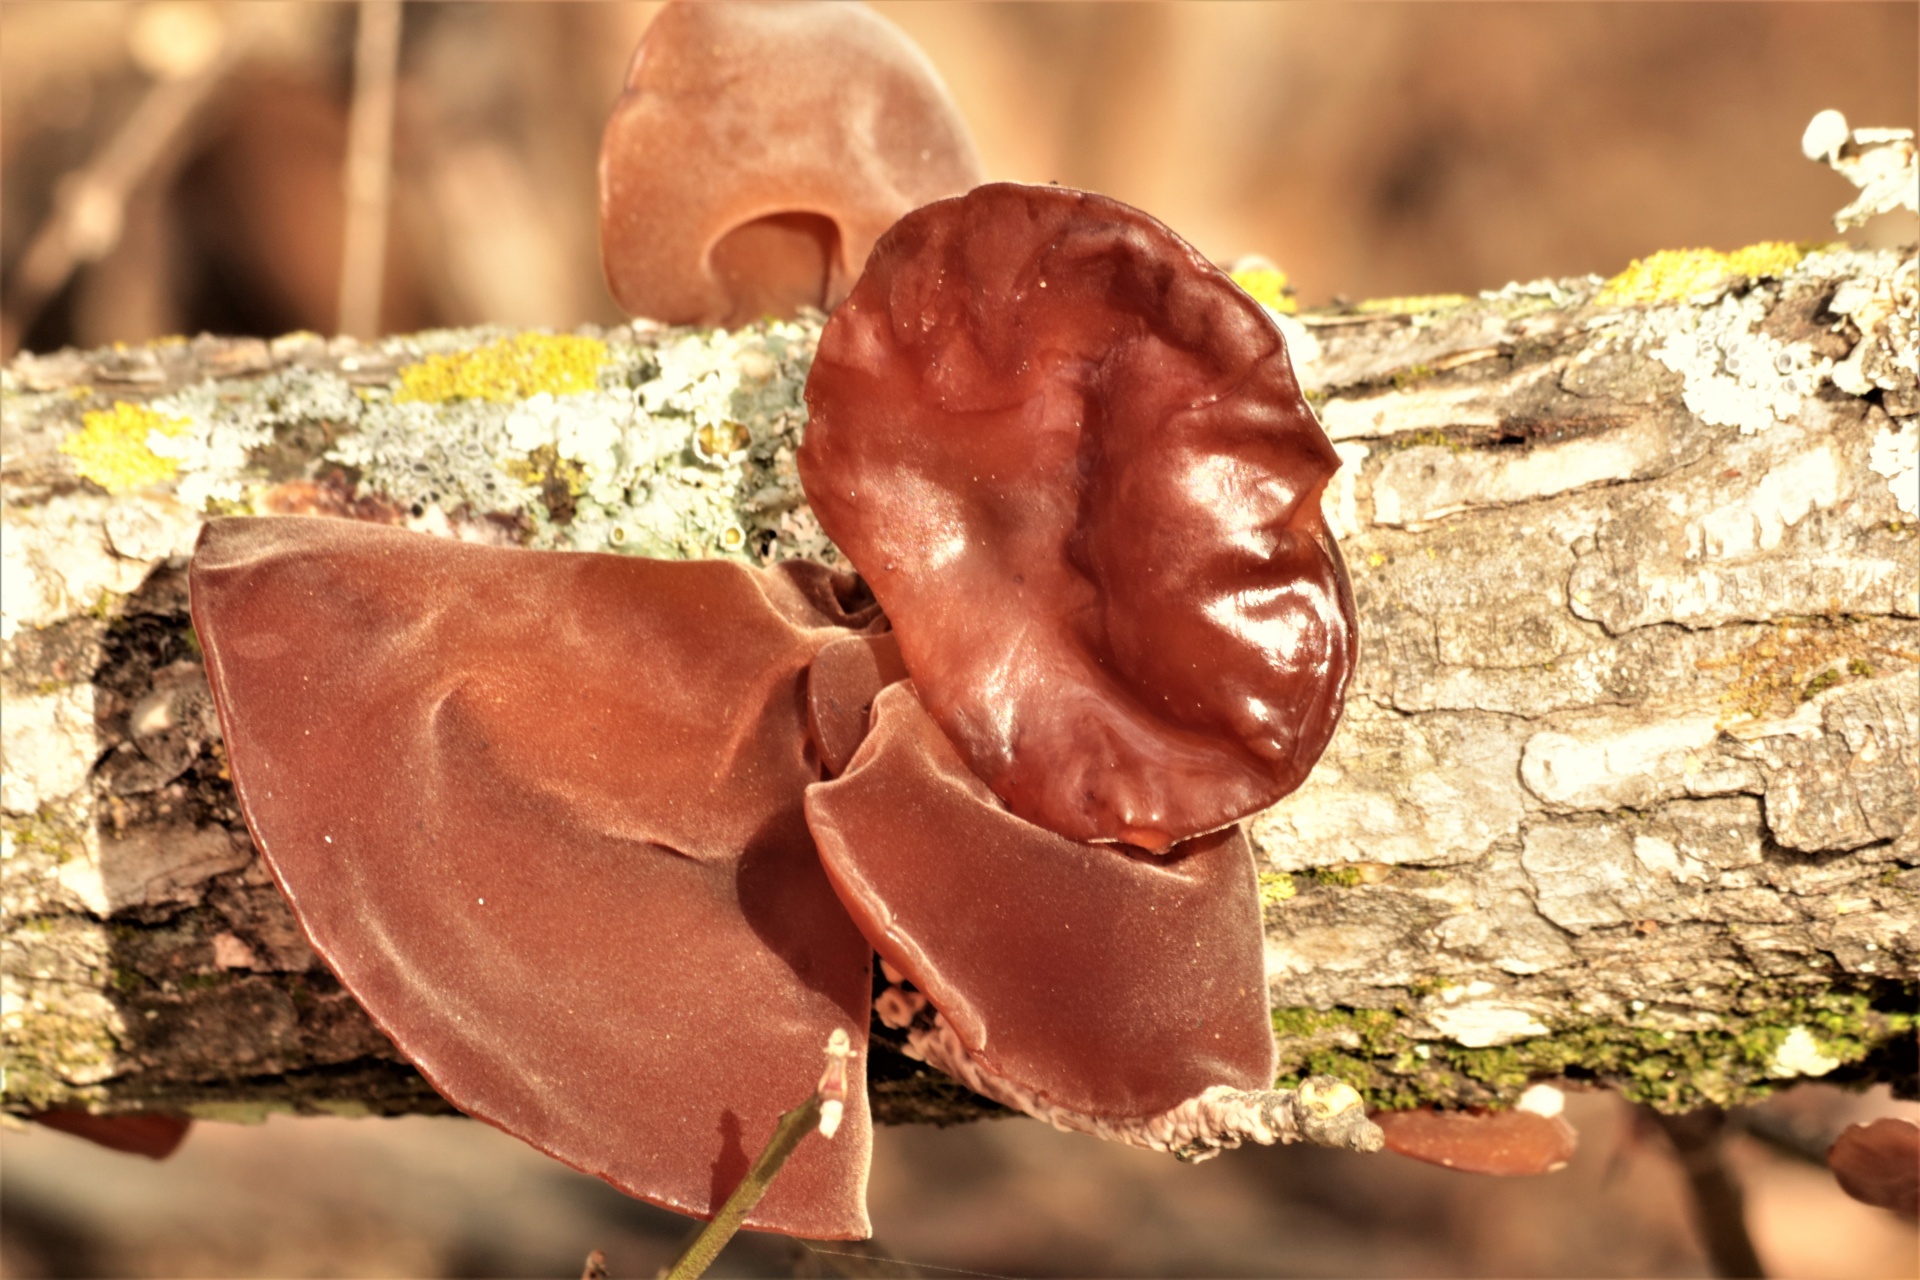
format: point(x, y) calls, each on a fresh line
point(542, 814)
point(1099, 980)
point(759, 150)
point(1071, 459)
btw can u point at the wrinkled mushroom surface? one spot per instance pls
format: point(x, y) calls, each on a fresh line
point(1071, 458)
point(1099, 981)
point(759, 150)
point(542, 814)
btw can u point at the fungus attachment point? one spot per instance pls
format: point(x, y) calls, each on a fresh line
point(1106, 985)
point(758, 151)
point(542, 814)
point(1070, 456)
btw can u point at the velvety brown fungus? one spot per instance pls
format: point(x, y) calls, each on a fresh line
point(1071, 458)
point(759, 150)
point(542, 814)
point(1109, 984)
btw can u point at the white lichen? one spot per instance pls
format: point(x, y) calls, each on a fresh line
point(1799, 1054)
point(1881, 162)
point(1896, 455)
point(1734, 374)
point(47, 746)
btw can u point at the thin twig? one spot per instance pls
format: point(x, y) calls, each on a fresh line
point(89, 210)
point(363, 258)
point(821, 1111)
point(1718, 1211)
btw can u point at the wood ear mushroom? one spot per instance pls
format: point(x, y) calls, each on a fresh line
point(607, 844)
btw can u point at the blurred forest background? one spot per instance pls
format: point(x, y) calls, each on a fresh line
point(1369, 150)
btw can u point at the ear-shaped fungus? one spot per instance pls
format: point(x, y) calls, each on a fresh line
point(759, 150)
point(1076, 977)
point(1071, 458)
point(542, 814)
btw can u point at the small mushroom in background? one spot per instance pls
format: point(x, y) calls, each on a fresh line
point(1879, 1163)
point(141, 1134)
point(1533, 1138)
point(759, 150)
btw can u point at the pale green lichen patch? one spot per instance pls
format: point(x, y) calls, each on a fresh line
point(120, 447)
point(683, 447)
point(1773, 1037)
point(1677, 275)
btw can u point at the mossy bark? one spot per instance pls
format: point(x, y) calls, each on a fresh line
point(1628, 790)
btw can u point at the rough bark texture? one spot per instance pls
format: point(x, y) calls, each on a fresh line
point(1628, 789)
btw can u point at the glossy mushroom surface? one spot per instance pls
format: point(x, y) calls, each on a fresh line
point(1097, 980)
point(542, 815)
point(1071, 458)
point(759, 150)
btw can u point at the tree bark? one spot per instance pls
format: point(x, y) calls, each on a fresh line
point(1627, 791)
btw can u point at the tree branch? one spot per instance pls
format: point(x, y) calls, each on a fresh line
point(1626, 791)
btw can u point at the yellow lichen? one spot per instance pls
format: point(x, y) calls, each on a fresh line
point(1674, 275)
point(111, 448)
point(508, 369)
point(1268, 287)
point(1414, 304)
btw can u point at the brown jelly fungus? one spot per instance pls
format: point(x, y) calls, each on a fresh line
point(758, 151)
point(1072, 460)
point(542, 813)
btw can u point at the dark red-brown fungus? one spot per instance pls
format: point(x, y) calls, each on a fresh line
point(542, 813)
point(153, 1136)
point(759, 150)
point(1108, 984)
point(1070, 456)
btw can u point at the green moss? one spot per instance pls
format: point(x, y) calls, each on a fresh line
point(47, 833)
point(508, 369)
point(239, 1112)
point(1342, 877)
point(1275, 888)
point(1671, 1070)
point(1411, 376)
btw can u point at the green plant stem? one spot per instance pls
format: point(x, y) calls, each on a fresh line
point(794, 1125)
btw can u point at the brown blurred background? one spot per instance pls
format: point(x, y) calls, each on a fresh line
point(1368, 149)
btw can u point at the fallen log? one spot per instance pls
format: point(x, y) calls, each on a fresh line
point(1628, 790)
